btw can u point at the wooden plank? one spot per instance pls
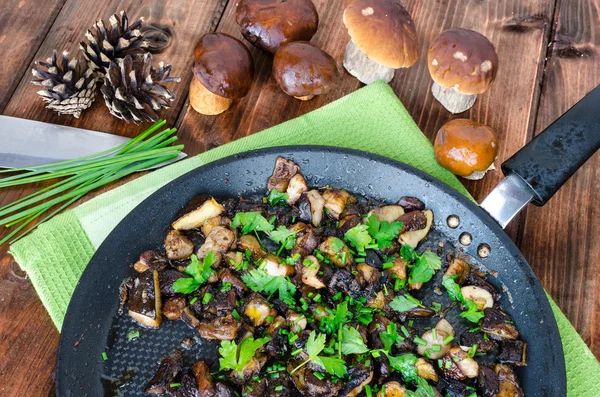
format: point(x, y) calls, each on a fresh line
point(28, 348)
point(560, 239)
point(23, 26)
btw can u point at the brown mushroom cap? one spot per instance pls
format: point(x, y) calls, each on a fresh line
point(463, 59)
point(384, 31)
point(464, 146)
point(269, 24)
point(223, 65)
point(301, 69)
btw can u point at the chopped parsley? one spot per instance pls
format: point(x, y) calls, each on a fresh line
point(200, 274)
point(283, 236)
point(352, 341)
point(236, 357)
point(403, 303)
point(358, 236)
point(423, 265)
point(251, 222)
point(472, 312)
point(275, 197)
point(314, 346)
point(258, 280)
point(383, 232)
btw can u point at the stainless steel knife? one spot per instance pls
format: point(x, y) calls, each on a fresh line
point(27, 143)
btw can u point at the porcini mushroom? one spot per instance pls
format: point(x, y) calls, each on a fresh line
point(270, 24)
point(382, 38)
point(303, 70)
point(466, 148)
point(223, 71)
point(462, 64)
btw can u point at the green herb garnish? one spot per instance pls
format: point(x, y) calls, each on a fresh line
point(258, 280)
point(403, 303)
point(236, 358)
point(275, 197)
point(472, 312)
point(314, 346)
point(251, 222)
point(424, 266)
point(200, 274)
point(383, 232)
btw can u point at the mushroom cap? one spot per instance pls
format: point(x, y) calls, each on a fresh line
point(269, 24)
point(223, 65)
point(301, 69)
point(384, 31)
point(465, 146)
point(463, 59)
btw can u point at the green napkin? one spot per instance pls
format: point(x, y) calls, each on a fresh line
point(371, 119)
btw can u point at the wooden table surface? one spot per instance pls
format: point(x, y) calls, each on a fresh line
point(549, 59)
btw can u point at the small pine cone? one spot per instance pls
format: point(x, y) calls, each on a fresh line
point(135, 91)
point(119, 40)
point(69, 87)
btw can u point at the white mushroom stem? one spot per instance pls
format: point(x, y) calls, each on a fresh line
point(477, 175)
point(363, 68)
point(451, 99)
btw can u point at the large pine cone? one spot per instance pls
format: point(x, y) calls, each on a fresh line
point(119, 40)
point(69, 87)
point(135, 91)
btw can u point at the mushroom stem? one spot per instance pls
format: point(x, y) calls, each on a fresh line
point(205, 102)
point(477, 175)
point(363, 68)
point(451, 99)
point(305, 98)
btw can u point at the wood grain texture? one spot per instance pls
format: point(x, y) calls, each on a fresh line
point(560, 239)
point(28, 350)
point(23, 26)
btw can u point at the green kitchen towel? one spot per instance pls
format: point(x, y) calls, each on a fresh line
point(371, 119)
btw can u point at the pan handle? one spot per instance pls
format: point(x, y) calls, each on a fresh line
point(549, 159)
point(540, 168)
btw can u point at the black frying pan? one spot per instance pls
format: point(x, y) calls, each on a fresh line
point(92, 325)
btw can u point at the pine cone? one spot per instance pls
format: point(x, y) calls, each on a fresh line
point(134, 90)
point(120, 40)
point(69, 87)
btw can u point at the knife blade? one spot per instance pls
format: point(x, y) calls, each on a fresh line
point(27, 143)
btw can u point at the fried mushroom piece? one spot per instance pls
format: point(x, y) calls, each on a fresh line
point(413, 237)
point(145, 304)
point(513, 352)
point(343, 281)
point(388, 213)
point(295, 188)
point(282, 174)
point(392, 389)
point(411, 204)
point(178, 246)
point(426, 370)
point(312, 207)
point(431, 340)
point(336, 201)
point(337, 251)
point(459, 268)
point(227, 276)
point(258, 310)
point(151, 260)
point(467, 365)
point(359, 377)
point(498, 324)
point(487, 381)
point(306, 240)
point(219, 241)
point(468, 339)
point(192, 220)
point(508, 385)
point(173, 307)
point(167, 278)
point(248, 242)
point(221, 328)
point(166, 373)
point(309, 271)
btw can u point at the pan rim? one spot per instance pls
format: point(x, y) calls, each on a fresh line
point(558, 355)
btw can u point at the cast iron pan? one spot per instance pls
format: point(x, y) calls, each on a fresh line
point(92, 324)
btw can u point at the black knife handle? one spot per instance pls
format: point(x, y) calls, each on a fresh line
point(550, 159)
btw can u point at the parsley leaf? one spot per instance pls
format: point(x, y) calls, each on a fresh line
point(352, 341)
point(275, 197)
point(252, 222)
point(283, 236)
point(335, 320)
point(405, 364)
point(358, 236)
point(403, 303)
point(472, 313)
point(200, 274)
point(258, 280)
point(390, 336)
point(315, 345)
point(383, 231)
point(424, 389)
point(236, 358)
point(424, 267)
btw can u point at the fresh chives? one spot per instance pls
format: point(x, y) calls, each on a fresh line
point(81, 176)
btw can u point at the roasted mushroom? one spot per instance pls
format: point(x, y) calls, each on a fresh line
point(498, 324)
point(283, 173)
point(414, 237)
point(178, 246)
point(168, 370)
